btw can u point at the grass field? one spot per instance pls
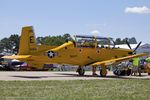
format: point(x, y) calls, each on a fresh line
point(122, 89)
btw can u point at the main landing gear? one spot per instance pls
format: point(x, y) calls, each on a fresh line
point(81, 70)
point(103, 71)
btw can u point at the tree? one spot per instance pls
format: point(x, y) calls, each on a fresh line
point(14, 40)
point(1, 47)
point(124, 40)
point(5, 43)
point(118, 41)
point(67, 37)
point(11, 44)
point(132, 40)
point(53, 40)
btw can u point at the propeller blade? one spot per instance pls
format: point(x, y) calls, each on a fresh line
point(128, 44)
point(137, 46)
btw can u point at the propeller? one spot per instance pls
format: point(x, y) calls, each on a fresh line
point(137, 46)
point(130, 46)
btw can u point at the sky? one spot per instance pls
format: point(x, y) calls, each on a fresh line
point(110, 18)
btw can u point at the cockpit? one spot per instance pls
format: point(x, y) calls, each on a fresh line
point(93, 41)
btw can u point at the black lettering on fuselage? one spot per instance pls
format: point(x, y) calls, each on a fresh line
point(31, 39)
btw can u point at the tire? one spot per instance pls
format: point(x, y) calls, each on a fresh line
point(101, 74)
point(81, 71)
point(119, 72)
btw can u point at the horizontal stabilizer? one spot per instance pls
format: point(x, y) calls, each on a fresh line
point(16, 57)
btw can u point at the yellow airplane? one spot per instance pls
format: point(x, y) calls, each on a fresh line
point(84, 51)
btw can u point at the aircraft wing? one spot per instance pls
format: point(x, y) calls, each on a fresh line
point(117, 60)
point(16, 57)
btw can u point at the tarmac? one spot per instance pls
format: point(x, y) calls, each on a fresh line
point(67, 75)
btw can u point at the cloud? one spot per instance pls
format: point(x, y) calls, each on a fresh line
point(137, 10)
point(95, 32)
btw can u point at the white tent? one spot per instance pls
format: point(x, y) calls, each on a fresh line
point(125, 46)
point(144, 48)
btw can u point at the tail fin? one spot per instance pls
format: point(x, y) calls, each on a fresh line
point(27, 41)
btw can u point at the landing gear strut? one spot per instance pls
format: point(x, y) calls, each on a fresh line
point(80, 71)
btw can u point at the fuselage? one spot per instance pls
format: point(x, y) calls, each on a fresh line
point(69, 53)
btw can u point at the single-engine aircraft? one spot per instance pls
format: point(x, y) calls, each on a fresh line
point(83, 51)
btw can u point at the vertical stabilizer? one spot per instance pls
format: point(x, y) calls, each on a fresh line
point(27, 41)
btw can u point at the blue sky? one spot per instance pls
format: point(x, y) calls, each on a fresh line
point(56, 17)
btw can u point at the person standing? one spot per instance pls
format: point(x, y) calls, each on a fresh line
point(136, 68)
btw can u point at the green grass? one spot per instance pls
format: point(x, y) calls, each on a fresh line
point(122, 89)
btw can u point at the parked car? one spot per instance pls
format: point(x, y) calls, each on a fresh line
point(15, 65)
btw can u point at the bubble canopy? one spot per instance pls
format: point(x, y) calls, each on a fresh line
point(93, 41)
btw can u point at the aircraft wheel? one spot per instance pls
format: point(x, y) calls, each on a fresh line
point(103, 72)
point(81, 71)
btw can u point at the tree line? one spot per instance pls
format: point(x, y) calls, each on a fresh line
point(11, 44)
